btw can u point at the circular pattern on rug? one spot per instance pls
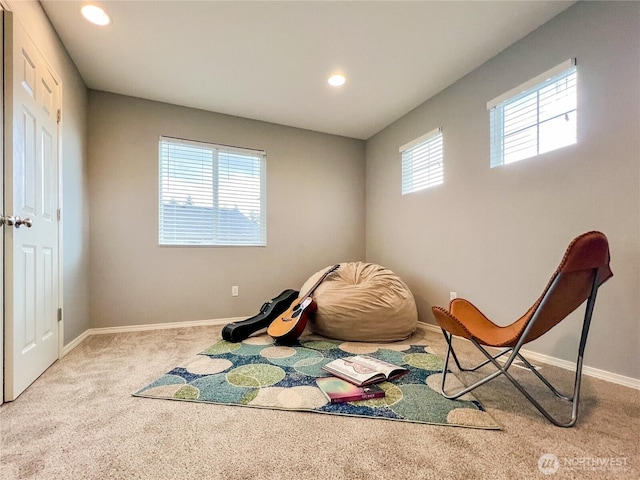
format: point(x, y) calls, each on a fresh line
point(392, 394)
point(425, 361)
point(321, 345)
point(205, 365)
point(305, 397)
point(420, 402)
point(188, 392)
point(167, 379)
point(362, 302)
point(277, 352)
point(311, 366)
point(255, 375)
point(297, 354)
point(215, 388)
point(163, 391)
point(244, 350)
point(222, 347)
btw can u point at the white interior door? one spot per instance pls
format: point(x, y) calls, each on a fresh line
point(32, 99)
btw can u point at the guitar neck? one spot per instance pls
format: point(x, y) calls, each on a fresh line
point(317, 284)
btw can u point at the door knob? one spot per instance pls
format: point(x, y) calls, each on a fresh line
point(27, 222)
point(17, 222)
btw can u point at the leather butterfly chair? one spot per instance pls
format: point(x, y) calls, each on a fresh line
point(584, 267)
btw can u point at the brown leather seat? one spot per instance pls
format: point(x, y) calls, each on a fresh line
point(584, 267)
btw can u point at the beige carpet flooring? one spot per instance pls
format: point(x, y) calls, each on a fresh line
point(79, 421)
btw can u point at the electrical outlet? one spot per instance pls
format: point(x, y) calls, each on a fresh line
point(234, 291)
point(452, 295)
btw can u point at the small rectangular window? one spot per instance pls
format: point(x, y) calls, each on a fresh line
point(212, 195)
point(536, 117)
point(422, 162)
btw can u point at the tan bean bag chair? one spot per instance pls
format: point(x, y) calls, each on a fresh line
point(362, 302)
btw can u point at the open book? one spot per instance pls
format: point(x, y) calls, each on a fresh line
point(363, 370)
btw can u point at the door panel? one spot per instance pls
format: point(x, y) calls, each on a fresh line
point(26, 300)
point(47, 167)
point(31, 179)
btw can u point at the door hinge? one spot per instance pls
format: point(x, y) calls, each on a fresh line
point(59, 115)
point(59, 214)
point(60, 314)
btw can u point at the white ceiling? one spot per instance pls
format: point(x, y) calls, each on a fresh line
point(270, 60)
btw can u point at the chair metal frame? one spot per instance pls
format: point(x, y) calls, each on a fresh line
point(573, 399)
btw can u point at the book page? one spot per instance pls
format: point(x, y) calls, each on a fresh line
point(377, 365)
point(353, 370)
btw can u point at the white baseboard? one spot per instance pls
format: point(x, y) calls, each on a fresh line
point(75, 342)
point(567, 365)
point(142, 328)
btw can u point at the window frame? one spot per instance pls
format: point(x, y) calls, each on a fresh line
point(498, 139)
point(212, 222)
point(416, 174)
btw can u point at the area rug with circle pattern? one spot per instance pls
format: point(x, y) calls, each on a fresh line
point(258, 373)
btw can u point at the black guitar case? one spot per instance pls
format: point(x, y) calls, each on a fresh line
point(238, 331)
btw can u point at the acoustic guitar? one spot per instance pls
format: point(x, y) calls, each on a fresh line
point(238, 331)
point(290, 325)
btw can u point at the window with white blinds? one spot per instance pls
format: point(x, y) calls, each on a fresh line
point(422, 162)
point(536, 117)
point(211, 195)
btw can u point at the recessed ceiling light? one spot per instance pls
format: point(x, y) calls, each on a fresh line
point(95, 15)
point(337, 80)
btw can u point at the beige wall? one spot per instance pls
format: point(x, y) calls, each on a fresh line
point(75, 205)
point(495, 236)
point(315, 215)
